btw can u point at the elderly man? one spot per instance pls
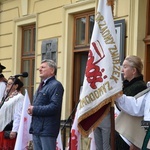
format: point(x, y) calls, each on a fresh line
point(46, 108)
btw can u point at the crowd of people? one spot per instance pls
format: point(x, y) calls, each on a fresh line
point(46, 110)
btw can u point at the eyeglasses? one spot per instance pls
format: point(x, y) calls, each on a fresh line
point(9, 83)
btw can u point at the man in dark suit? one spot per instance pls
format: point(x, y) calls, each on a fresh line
point(46, 108)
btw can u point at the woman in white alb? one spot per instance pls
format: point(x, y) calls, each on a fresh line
point(10, 113)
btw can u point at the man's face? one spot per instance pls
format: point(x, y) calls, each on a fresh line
point(45, 71)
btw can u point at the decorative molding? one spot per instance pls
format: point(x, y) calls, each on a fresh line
point(5, 1)
point(24, 4)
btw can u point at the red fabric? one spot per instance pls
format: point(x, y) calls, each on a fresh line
point(6, 144)
point(41, 86)
point(89, 121)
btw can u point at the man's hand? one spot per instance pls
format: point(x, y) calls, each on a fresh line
point(30, 110)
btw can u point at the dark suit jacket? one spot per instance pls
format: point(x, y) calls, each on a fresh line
point(47, 109)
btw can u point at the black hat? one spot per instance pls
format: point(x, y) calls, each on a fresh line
point(2, 67)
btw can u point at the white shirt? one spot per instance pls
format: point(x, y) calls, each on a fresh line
point(135, 107)
point(2, 89)
point(11, 110)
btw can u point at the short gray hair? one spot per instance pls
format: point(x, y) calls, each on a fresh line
point(135, 62)
point(50, 63)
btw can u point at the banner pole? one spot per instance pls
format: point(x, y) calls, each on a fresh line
point(113, 145)
point(111, 3)
point(113, 142)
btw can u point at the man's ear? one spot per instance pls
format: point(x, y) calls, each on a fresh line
point(52, 70)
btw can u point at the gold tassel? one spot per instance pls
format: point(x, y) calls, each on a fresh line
point(110, 2)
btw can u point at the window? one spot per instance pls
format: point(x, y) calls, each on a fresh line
point(84, 24)
point(28, 57)
point(83, 30)
point(147, 45)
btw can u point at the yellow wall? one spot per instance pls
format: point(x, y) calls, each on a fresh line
point(134, 13)
point(54, 19)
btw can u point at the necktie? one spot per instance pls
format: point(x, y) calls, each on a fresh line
point(41, 85)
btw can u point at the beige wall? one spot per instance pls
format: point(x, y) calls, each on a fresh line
point(54, 19)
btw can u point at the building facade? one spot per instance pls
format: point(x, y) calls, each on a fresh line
point(32, 30)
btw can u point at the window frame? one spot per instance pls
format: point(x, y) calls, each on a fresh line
point(29, 56)
point(147, 45)
point(83, 47)
point(80, 51)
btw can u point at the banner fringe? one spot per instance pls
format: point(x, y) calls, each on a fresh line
point(94, 110)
